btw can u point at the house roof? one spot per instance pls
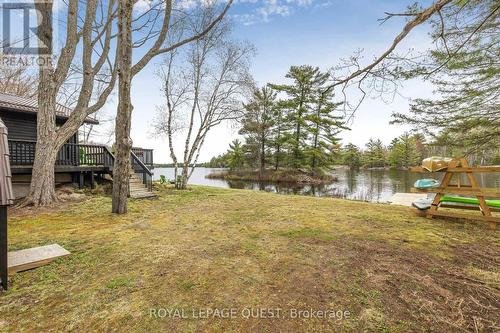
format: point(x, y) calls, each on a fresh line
point(27, 104)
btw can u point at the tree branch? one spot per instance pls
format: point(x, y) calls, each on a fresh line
point(156, 49)
point(419, 19)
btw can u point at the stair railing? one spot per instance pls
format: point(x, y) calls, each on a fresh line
point(147, 175)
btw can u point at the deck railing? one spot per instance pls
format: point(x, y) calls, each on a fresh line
point(22, 153)
point(145, 155)
point(139, 167)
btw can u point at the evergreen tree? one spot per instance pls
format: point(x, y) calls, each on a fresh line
point(236, 155)
point(279, 134)
point(421, 146)
point(324, 126)
point(352, 156)
point(220, 161)
point(306, 80)
point(403, 151)
point(464, 69)
point(257, 123)
point(393, 157)
point(374, 156)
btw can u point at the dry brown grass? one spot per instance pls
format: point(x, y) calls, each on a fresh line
point(212, 248)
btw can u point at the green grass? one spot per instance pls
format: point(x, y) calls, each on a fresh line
point(119, 282)
point(207, 248)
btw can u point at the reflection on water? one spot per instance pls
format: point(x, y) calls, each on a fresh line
point(367, 185)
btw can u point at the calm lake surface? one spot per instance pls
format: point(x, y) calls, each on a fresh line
point(367, 185)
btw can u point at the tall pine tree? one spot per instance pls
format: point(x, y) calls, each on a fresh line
point(309, 116)
point(374, 156)
point(305, 80)
point(257, 123)
point(324, 125)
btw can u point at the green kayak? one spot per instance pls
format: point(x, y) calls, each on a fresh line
point(426, 183)
point(470, 201)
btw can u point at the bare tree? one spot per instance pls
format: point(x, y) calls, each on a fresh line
point(176, 87)
point(152, 28)
point(204, 86)
point(18, 81)
point(95, 36)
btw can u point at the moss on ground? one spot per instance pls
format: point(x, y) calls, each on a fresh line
point(208, 248)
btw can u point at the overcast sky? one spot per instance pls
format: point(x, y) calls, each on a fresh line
point(296, 32)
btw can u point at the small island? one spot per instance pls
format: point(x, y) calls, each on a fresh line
point(275, 176)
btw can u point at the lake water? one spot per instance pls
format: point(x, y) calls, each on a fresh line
point(367, 185)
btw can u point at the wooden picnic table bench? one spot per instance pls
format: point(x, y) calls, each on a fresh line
point(458, 167)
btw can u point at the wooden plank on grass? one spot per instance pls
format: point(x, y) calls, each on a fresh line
point(23, 260)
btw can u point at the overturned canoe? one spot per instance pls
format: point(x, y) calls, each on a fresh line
point(436, 163)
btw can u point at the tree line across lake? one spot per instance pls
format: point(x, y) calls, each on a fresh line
point(298, 132)
point(403, 152)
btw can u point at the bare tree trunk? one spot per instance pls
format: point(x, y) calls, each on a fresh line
point(185, 175)
point(296, 153)
point(50, 138)
point(176, 167)
point(171, 144)
point(126, 72)
point(42, 191)
point(42, 188)
point(121, 169)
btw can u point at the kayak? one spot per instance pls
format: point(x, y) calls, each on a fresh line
point(424, 204)
point(436, 163)
point(426, 183)
point(470, 201)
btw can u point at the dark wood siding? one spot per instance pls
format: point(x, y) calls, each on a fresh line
point(22, 126)
point(19, 125)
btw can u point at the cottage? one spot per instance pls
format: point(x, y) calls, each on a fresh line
point(76, 163)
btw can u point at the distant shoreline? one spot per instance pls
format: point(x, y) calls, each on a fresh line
point(335, 167)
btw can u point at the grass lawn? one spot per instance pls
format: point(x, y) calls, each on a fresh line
point(208, 249)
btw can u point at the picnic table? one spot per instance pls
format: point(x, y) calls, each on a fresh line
point(455, 169)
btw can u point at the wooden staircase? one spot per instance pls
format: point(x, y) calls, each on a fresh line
point(137, 189)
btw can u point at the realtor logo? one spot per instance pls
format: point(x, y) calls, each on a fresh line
point(20, 33)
